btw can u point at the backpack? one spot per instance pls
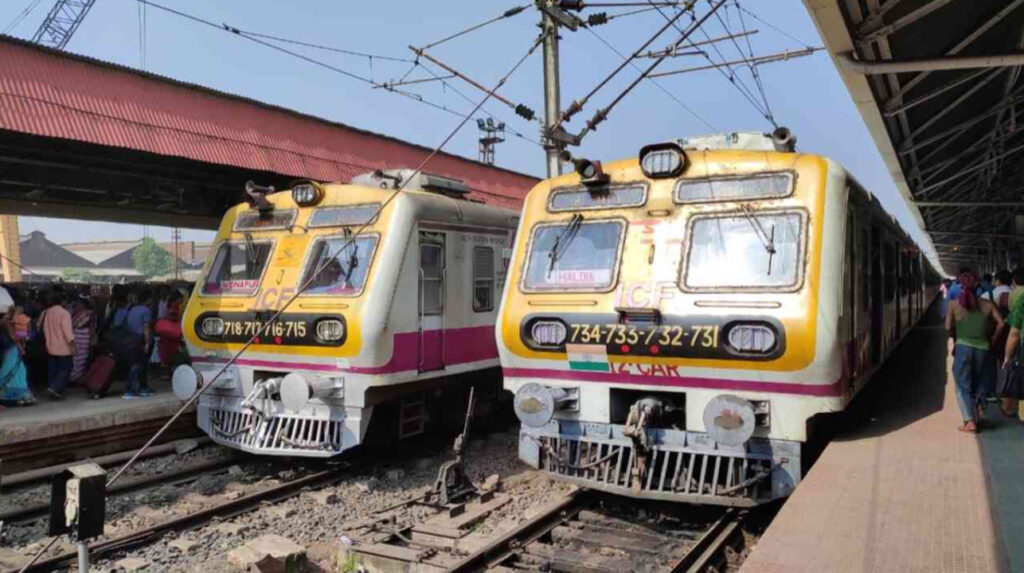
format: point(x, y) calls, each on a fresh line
point(122, 342)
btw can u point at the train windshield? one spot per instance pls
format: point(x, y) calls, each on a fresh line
point(576, 255)
point(731, 252)
point(238, 267)
point(339, 265)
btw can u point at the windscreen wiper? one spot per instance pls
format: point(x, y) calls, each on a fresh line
point(250, 251)
point(767, 238)
point(563, 240)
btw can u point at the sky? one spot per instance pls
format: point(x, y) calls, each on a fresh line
point(805, 94)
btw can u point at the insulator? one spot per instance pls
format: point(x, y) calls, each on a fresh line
point(597, 19)
point(525, 112)
point(513, 11)
point(571, 5)
point(572, 110)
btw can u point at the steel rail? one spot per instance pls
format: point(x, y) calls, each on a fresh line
point(227, 509)
point(696, 559)
point(502, 548)
point(144, 482)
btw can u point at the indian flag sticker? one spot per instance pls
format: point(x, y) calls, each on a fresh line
point(590, 357)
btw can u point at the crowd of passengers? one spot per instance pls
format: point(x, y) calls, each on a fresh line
point(72, 337)
point(984, 315)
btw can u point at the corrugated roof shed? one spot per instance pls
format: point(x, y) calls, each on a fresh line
point(55, 94)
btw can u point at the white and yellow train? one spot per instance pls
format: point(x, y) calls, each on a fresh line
point(672, 322)
point(391, 315)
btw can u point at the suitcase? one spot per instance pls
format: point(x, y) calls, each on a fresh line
point(100, 375)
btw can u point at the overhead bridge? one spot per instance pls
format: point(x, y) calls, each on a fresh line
point(938, 83)
point(87, 139)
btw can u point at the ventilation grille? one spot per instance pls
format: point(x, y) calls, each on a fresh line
point(280, 434)
point(672, 472)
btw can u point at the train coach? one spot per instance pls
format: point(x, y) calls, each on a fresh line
point(672, 322)
point(394, 305)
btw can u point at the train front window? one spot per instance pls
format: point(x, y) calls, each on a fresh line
point(745, 188)
point(339, 265)
point(756, 251)
point(573, 255)
point(237, 267)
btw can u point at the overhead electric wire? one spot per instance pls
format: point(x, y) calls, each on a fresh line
point(506, 14)
point(602, 114)
point(656, 83)
point(302, 288)
point(326, 48)
point(21, 17)
point(578, 105)
point(241, 34)
point(730, 76)
point(751, 65)
point(773, 27)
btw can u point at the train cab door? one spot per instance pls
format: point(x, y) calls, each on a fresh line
point(877, 327)
point(431, 301)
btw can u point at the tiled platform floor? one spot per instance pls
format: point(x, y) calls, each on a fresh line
point(900, 489)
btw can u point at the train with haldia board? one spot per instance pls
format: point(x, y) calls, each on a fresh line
point(672, 322)
point(387, 289)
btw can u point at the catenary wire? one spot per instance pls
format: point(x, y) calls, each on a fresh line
point(237, 32)
point(21, 17)
point(729, 76)
point(773, 27)
point(751, 64)
point(656, 83)
point(506, 14)
point(351, 239)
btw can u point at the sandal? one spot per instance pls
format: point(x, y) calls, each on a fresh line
point(970, 427)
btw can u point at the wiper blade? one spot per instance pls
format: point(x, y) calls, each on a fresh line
point(563, 240)
point(250, 250)
point(767, 239)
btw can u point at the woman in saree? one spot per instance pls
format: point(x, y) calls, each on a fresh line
point(13, 374)
point(82, 324)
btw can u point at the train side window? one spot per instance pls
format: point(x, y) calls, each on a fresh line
point(483, 279)
point(864, 267)
point(432, 278)
point(889, 272)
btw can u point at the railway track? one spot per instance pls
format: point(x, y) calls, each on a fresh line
point(581, 533)
point(181, 476)
point(102, 548)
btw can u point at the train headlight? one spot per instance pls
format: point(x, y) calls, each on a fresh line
point(307, 194)
point(185, 382)
point(752, 338)
point(729, 420)
point(212, 326)
point(330, 330)
point(662, 160)
point(548, 332)
point(535, 404)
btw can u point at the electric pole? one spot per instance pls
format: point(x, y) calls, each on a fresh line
point(552, 101)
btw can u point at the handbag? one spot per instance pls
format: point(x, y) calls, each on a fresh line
point(1010, 382)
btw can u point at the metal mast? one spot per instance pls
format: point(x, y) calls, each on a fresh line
point(62, 21)
point(552, 101)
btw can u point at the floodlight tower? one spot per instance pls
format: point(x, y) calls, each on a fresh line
point(491, 134)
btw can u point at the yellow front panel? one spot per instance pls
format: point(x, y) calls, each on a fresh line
point(661, 217)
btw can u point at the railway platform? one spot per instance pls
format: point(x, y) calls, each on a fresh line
point(899, 488)
point(77, 427)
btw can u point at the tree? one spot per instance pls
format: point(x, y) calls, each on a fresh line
point(73, 275)
point(151, 260)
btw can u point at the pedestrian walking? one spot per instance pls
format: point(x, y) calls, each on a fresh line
point(968, 323)
point(133, 339)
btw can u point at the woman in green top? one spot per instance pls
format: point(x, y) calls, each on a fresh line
point(968, 323)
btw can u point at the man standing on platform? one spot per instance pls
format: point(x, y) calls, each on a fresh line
point(55, 323)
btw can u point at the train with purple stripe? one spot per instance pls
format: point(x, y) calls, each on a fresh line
point(330, 312)
point(672, 323)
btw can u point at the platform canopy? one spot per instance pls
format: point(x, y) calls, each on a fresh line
point(86, 139)
point(938, 83)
